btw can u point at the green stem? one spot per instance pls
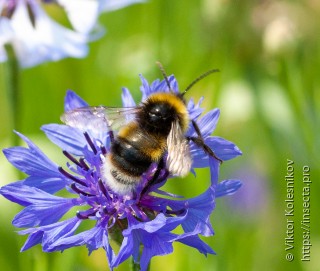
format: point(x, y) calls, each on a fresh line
point(136, 266)
point(12, 75)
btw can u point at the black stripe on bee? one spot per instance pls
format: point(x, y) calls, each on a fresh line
point(129, 158)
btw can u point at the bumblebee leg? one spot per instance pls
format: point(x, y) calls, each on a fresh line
point(200, 142)
point(111, 136)
point(155, 179)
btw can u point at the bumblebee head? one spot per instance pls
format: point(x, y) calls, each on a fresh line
point(160, 110)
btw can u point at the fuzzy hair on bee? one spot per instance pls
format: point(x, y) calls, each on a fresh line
point(154, 132)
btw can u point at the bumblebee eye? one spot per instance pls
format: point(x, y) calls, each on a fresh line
point(159, 115)
point(155, 114)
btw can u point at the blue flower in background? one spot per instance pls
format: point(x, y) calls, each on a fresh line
point(146, 218)
point(36, 38)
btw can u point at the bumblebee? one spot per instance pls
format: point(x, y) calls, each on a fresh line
point(149, 133)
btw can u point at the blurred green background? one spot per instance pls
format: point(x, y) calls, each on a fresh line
point(268, 53)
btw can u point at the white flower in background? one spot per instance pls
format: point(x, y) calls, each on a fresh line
point(279, 34)
point(282, 24)
point(37, 38)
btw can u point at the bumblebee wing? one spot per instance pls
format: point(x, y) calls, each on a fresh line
point(99, 117)
point(179, 160)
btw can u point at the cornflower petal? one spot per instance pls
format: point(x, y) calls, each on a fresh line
point(22, 194)
point(194, 109)
point(19, 193)
point(155, 236)
point(226, 149)
point(192, 239)
point(158, 86)
point(206, 124)
point(73, 101)
point(214, 172)
point(67, 138)
point(82, 14)
point(50, 185)
point(126, 250)
point(157, 242)
point(222, 148)
point(92, 238)
point(36, 38)
point(31, 160)
point(163, 86)
point(195, 242)
point(50, 233)
point(227, 187)
point(6, 34)
point(45, 209)
point(107, 247)
point(57, 42)
point(127, 98)
point(145, 88)
point(42, 40)
point(199, 210)
point(109, 5)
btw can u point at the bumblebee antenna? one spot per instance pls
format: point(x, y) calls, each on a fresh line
point(198, 79)
point(164, 74)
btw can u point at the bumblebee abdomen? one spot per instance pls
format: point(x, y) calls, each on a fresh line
point(131, 155)
point(129, 158)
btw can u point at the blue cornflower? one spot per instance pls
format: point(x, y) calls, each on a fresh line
point(146, 218)
point(36, 38)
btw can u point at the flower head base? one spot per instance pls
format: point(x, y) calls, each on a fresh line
point(146, 217)
point(36, 38)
